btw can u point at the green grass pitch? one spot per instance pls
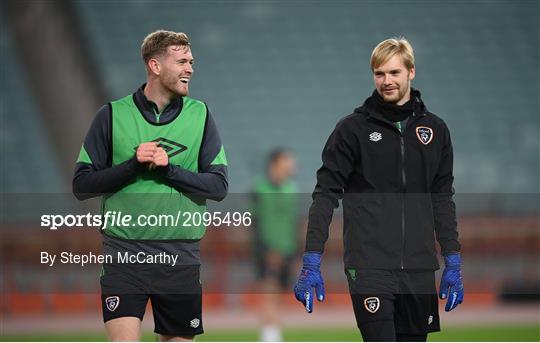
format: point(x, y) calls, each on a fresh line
point(524, 333)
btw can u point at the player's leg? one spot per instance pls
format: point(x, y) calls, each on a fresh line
point(169, 338)
point(416, 306)
point(123, 304)
point(402, 337)
point(124, 329)
point(373, 303)
point(177, 317)
point(177, 303)
point(378, 326)
point(271, 288)
point(122, 315)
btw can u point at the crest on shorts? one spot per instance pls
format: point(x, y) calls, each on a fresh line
point(112, 303)
point(194, 323)
point(424, 134)
point(372, 304)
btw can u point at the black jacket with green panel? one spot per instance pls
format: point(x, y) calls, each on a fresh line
point(396, 186)
point(197, 171)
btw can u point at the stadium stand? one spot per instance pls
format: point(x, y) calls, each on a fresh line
point(279, 73)
point(28, 162)
point(282, 74)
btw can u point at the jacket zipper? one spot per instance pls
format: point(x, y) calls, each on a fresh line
point(403, 179)
point(156, 114)
point(404, 182)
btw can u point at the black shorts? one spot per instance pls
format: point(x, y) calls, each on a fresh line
point(282, 275)
point(409, 298)
point(175, 294)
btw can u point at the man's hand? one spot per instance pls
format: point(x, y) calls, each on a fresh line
point(310, 277)
point(451, 282)
point(150, 152)
point(160, 158)
point(145, 152)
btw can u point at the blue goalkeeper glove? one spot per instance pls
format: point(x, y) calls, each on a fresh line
point(451, 282)
point(310, 277)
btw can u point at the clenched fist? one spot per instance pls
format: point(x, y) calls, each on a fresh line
point(146, 151)
point(150, 152)
point(160, 158)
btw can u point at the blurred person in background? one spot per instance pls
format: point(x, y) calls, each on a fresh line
point(391, 162)
point(275, 211)
point(162, 144)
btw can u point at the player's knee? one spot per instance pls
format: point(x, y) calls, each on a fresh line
point(402, 337)
point(168, 338)
point(124, 337)
point(123, 329)
point(378, 331)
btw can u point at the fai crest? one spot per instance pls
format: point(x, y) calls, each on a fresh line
point(112, 303)
point(424, 134)
point(372, 304)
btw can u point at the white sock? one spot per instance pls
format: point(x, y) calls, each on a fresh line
point(271, 333)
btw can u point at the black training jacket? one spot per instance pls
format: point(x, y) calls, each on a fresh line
point(397, 190)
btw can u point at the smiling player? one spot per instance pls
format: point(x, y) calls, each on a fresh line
point(156, 151)
point(391, 162)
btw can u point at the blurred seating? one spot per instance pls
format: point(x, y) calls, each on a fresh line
point(28, 162)
point(279, 73)
point(282, 74)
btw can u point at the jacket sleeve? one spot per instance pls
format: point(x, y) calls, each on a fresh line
point(442, 192)
point(94, 175)
point(211, 180)
point(338, 159)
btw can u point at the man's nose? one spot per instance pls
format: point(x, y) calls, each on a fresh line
point(189, 68)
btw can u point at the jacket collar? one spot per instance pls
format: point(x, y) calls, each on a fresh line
point(149, 109)
point(369, 109)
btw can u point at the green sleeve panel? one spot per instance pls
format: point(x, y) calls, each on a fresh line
point(221, 158)
point(83, 156)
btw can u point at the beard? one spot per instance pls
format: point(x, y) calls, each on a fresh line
point(175, 87)
point(398, 94)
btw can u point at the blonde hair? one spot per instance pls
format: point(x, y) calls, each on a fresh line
point(157, 42)
point(386, 49)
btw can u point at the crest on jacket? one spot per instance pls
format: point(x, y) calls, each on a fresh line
point(424, 134)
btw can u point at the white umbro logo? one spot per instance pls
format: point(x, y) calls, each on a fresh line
point(194, 323)
point(375, 136)
point(430, 320)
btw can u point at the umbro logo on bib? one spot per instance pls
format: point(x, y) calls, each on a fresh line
point(172, 148)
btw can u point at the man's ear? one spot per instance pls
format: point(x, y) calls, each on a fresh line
point(154, 66)
point(411, 73)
